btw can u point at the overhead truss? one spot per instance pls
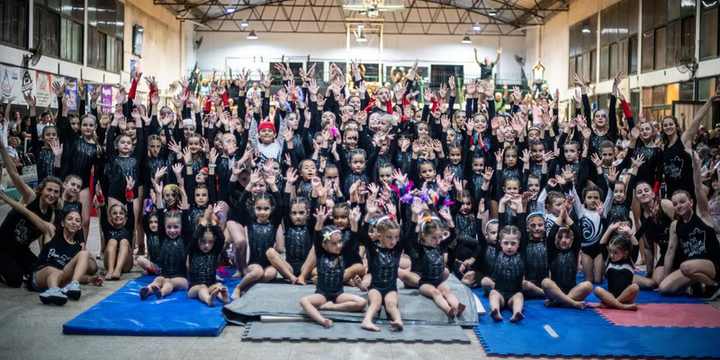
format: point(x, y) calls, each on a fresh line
point(420, 17)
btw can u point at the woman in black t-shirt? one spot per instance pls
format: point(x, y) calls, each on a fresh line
point(63, 261)
point(25, 223)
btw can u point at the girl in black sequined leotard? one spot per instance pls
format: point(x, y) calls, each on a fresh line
point(329, 292)
point(205, 247)
point(173, 250)
point(563, 248)
point(262, 231)
point(298, 236)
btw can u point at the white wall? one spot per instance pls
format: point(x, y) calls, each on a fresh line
point(400, 50)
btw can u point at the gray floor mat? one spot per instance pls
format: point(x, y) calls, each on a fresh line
point(344, 331)
point(284, 300)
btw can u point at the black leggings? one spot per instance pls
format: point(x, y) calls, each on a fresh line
point(14, 264)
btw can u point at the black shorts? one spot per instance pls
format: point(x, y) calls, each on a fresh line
point(384, 289)
point(433, 282)
point(329, 297)
point(507, 295)
point(297, 268)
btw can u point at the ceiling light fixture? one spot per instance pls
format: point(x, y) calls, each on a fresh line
point(244, 24)
point(466, 39)
point(230, 9)
point(476, 27)
point(252, 35)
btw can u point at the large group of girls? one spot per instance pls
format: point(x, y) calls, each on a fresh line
point(345, 187)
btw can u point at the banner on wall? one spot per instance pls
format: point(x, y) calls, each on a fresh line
point(43, 89)
point(10, 82)
point(27, 83)
point(71, 92)
point(107, 97)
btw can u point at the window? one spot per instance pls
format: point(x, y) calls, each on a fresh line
point(633, 55)
point(648, 50)
point(96, 48)
point(604, 62)
point(617, 23)
point(614, 56)
point(72, 41)
point(71, 32)
point(669, 24)
point(13, 22)
point(660, 48)
point(709, 31)
point(674, 39)
point(105, 34)
point(439, 74)
point(319, 70)
point(583, 49)
point(47, 27)
point(648, 18)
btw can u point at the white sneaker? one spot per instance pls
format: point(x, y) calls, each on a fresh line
point(72, 290)
point(53, 296)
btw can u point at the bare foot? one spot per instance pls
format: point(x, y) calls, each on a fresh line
point(108, 276)
point(601, 306)
point(237, 275)
point(517, 317)
point(225, 295)
point(357, 281)
point(300, 281)
point(368, 325)
point(315, 280)
point(116, 274)
point(158, 293)
point(397, 325)
point(218, 278)
point(144, 292)
point(326, 305)
point(450, 314)
point(213, 295)
point(495, 315)
point(328, 323)
point(236, 293)
point(460, 308)
point(630, 307)
point(580, 305)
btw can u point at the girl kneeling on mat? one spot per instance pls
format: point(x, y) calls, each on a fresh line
point(329, 293)
point(205, 247)
point(173, 249)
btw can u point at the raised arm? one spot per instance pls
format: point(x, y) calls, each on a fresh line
point(689, 134)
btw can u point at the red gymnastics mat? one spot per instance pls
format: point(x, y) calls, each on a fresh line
point(665, 315)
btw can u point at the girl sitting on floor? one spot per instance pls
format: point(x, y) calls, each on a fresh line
point(560, 288)
point(383, 262)
point(262, 231)
point(510, 264)
point(205, 247)
point(64, 263)
point(621, 292)
point(329, 293)
point(173, 250)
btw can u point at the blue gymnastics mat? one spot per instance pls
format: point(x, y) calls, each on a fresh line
point(123, 313)
point(587, 334)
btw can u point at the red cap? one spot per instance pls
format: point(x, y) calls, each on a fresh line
point(266, 125)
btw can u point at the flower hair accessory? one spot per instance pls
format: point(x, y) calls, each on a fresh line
point(427, 220)
point(327, 235)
